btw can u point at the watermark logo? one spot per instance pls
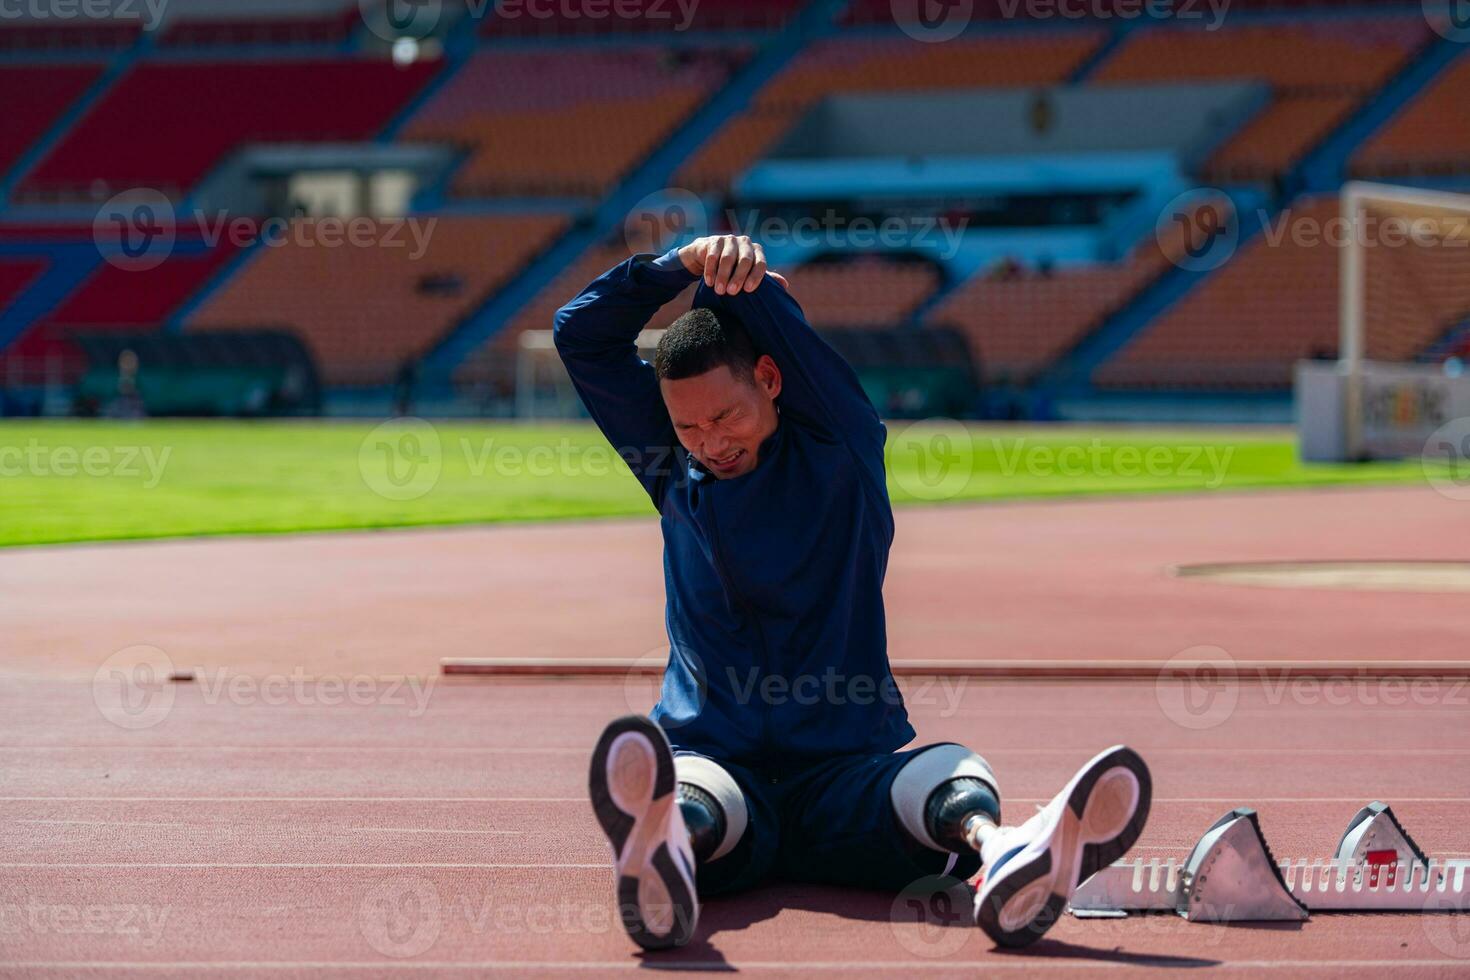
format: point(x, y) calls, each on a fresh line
point(666, 219)
point(35, 459)
point(671, 15)
point(1198, 230)
point(1445, 922)
point(1449, 18)
point(932, 21)
point(135, 230)
point(1446, 459)
point(1196, 465)
point(1211, 12)
point(939, 235)
point(148, 13)
point(931, 917)
point(141, 925)
point(393, 20)
point(132, 689)
point(401, 916)
point(401, 459)
point(932, 459)
point(643, 686)
point(1197, 688)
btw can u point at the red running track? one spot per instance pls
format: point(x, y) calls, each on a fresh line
point(1079, 580)
point(388, 836)
point(303, 809)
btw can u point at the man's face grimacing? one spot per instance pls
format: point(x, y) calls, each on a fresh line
point(722, 415)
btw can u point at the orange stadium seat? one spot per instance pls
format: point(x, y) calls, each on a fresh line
point(882, 64)
point(1017, 327)
point(568, 121)
point(1430, 135)
point(493, 364)
point(1319, 70)
point(1276, 303)
point(362, 311)
point(869, 292)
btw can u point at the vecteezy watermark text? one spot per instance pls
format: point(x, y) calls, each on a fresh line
point(140, 924)
point(148, 13)
point(1205, 465)
point(139, 229)
point(125, 462)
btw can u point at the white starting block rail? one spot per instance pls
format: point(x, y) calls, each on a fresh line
point(1231, 876)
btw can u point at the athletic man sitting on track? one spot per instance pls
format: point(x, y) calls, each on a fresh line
point(765, 461)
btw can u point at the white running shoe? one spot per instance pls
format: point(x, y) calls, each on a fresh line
point(1032, 870)
point(633, 793)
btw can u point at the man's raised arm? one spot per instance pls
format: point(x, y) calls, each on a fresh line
point(597, 337)
point(816, 383)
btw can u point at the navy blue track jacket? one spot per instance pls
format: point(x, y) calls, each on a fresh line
point(778, 650)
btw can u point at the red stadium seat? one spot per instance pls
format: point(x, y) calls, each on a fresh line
point(166, 124)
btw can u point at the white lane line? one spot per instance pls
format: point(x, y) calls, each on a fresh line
point(1023, 964)
point(115, 823)
point(435, 830)
point(1238, 800)
point(231, 826)
point(291, 864)
point(987, 750)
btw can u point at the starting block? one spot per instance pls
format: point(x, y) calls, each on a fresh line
point(1231, 876)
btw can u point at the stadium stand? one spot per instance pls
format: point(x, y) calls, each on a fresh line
point(879, 64)
point(1019, 324)
point(114, 298)
point(1277, 303)
point(1320, 70)
point(492, 367)
point(69, 35)
point(16, 275)
point(1430, 135)
point(165, 124)
point(541, 19)
point(869, 12)
point(566, 121)
point(363, 311)
point(35, 96)
point(868, 292)
point(311, 27)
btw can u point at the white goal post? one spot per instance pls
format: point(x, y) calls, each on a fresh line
point(1381, 398)
point(542, 388)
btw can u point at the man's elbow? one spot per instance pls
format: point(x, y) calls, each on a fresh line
point(564, 329)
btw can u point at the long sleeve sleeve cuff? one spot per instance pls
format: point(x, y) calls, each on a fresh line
point(666, 269)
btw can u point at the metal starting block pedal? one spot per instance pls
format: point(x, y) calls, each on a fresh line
point(1231, 876)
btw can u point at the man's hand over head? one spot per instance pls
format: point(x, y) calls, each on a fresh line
point(728, 263)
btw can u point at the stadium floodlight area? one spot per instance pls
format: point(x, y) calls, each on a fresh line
point(1404, 312)
point(543, 390)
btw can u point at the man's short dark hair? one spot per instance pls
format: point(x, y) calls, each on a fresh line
point(698, 342)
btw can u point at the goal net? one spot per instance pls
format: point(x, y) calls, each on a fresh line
point(542, 388)
point(1404, 323)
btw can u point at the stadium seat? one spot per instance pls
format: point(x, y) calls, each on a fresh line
point(541, 19)
point(869, 291)
point(166, 124)
point(880, 64)
point(564, 121)
point(362, 311)
point(35, 96)
point(1274, 304)
point(1019, 326)
point(1319, 70)
point(1430, 135)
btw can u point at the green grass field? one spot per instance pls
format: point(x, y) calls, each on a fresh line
point(81, 481)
